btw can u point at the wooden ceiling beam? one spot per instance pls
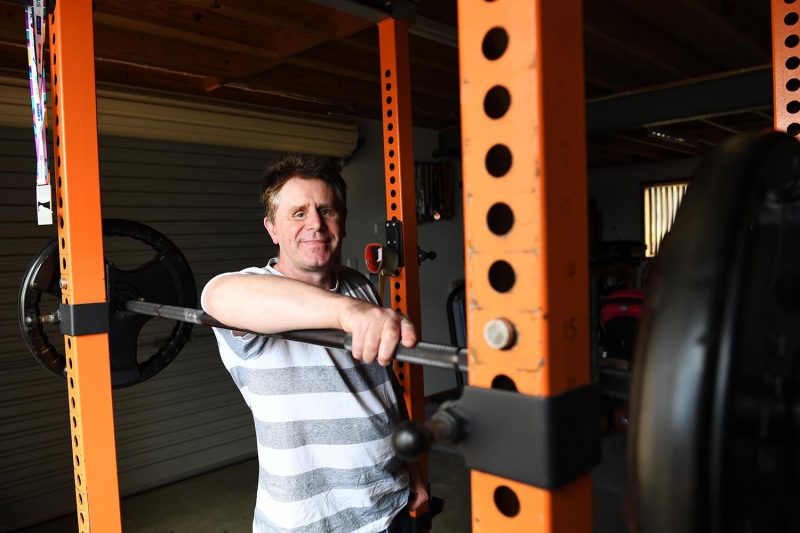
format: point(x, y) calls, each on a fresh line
point(615, 24)
point(706, 34)
point(719, 18)
point(300, 16)
point(291, 43)
point(148, 28)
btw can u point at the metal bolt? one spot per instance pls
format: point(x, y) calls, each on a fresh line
point(499, 333)
point(62, 283)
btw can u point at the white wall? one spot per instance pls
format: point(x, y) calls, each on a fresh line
point(365, 223)
point(618, 193)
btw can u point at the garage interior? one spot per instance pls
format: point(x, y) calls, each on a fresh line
point(195, 96)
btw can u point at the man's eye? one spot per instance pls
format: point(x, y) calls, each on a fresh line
point(325, 211)
point(299, 214)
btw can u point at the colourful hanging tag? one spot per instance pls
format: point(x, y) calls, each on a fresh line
point(36, 23)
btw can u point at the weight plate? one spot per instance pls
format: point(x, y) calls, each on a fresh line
point(712, 311)
point(166, 278)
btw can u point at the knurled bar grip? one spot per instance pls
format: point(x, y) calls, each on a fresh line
point(423, 353)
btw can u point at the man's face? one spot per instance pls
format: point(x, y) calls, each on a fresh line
point(308, 226)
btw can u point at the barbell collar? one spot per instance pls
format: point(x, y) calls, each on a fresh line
point(423, 353)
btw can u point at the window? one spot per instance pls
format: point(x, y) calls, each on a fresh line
point(660, 205)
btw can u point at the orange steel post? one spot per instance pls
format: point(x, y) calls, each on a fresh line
point(82, 265)
point(785, 64)
point(525, 212)
point(398, 157)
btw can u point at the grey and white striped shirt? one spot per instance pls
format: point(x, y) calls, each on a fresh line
point(323, 422)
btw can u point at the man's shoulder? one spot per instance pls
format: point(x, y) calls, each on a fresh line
point(353, 283)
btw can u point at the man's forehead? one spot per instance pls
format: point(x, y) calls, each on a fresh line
point(302, 191)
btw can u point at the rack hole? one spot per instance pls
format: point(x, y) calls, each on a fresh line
point(793, 84)
point(389, 113)
point(791, 41)
point(790, 19)
point(497, 101)
point(502, 276)
point(394, 207)
point(393, 193)
point(500, 218)
point(390, 126)
point(503, 382)
point(397, 298)
point(392, 179)
point(388, 86)
point(506, 501)
point(387, 73)
point(793, 106)
point(793, 129)
point(495, 43)
point(388, 99)
point(498, 160)
point(391, 153)
point(391, 140)
point(391, 167)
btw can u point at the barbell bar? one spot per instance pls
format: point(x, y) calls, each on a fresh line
point(423, 353)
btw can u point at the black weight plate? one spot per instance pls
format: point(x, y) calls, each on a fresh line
point(681, 395)
point(165, 279)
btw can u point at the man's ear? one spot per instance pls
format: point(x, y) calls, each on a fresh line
point(271, 230)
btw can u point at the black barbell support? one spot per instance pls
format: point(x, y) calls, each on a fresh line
point(423, 353)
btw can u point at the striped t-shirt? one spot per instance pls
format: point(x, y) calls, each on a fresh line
point(323, 424)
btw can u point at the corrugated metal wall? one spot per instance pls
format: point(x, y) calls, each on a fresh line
point(188, 419)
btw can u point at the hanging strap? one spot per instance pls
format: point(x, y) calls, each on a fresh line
point(36, 23)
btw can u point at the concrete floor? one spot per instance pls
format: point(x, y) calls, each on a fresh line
point(222, 501)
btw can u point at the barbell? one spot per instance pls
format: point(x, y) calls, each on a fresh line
point(163, 286)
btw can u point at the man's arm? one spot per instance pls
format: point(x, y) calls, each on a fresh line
point(274, 304)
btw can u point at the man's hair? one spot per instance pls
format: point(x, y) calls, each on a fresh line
point(304, 166)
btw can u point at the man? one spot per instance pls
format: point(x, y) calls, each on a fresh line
point(323, 417)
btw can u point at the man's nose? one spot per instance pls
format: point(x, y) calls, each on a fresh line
point(314, 220)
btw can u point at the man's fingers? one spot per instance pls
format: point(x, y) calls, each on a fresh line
point(408, 332)
point(372, 340)
point(390, 336)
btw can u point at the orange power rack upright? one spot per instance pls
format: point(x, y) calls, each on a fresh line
point(82, 266)
point(786, 65)
point(398, 157)
point(526, 242)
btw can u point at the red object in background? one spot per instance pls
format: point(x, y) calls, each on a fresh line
point(373, 255)
point(624, 303)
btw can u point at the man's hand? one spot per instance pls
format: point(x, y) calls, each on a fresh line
point(418, 491)
point(376, 331)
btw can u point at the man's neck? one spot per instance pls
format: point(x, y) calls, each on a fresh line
point(323, 279)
